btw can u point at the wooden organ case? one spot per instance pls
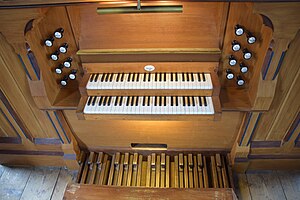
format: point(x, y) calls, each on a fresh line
point(170, 100)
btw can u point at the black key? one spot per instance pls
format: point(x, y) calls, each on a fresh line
point(193, 101)
point(203, 77)
point(171, 77)
point(92, 77)
point(144, 78)
point(94, 101)
point(156, 77)
point(165, 102)
point(176, 77)
point(89, 101)
point(187, 77)
point(177, 101)
point(116, 101)
point(118, 77)
point(127, 102)
point(200, 101)
point(160, 77)
point(165, 77)
point(183, 79)
point(96, 78)
point(111, 77)
point(137, 101)
point(121, 101)
point(100, 101)
point(205, 102)
point(172, 101)
point(107, 77)
point(149, 77)
point(138, 77)
point(133, 77)
point(155, 101)
point(199, 78)
point(128, 78)
point(149, 98)
point(103, 77)
point(192, 77)
point(144, 101)
point(122, 77)
point(109, 100)
point(104, 101)
point(183, 100)
point(132, 101)
point(160, 101)
point(188, 101)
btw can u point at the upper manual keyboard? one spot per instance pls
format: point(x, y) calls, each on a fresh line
point(111, 81)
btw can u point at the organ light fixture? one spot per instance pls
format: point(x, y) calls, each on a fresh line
point(67, 63)
point(58, 33)
point(229, 74)
point(72, 75)
point(251, 39)
point(247, 54)
point(141, 9)
point(58, 69)
point(239, 30)
point(63, 48)
point(232, 60)
point(49, 42)
point(240, 81)
point(54, 56)
point(235, 45)
point(243, 68)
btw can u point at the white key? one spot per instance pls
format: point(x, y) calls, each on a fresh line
point(87, 107)
point(89, 83)
point(211, 105)
point(125, 82)
point(209, 82)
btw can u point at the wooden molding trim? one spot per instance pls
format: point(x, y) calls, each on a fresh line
point(21, 152)
point(47, 141)
point(265, 144)
point(11, 140)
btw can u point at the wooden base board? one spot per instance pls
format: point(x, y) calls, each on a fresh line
point(90, 192)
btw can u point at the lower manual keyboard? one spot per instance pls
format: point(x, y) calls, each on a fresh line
point(147, 105)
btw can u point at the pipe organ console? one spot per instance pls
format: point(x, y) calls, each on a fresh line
point(138, 98)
